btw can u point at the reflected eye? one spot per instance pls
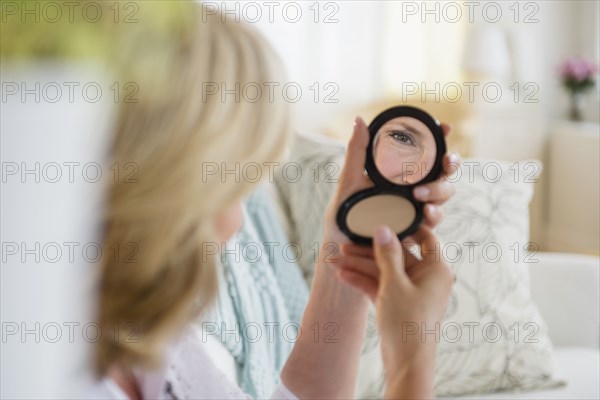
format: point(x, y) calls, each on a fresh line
point(402, 137)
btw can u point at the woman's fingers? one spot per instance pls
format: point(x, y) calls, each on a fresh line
point(352, 177)
point(363, 265)
point(357, 250)
point(436, 192)
point(430, 248)
point(451, 163)
point(446, 128)
point(410, 248)
point(388, 254)
point(433, 215)
point(364, 283)
point(440, 190)
point(367, 256)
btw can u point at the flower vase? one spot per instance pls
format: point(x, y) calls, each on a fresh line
point(577, 105)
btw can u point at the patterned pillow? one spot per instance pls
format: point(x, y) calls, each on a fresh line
point(493, 337)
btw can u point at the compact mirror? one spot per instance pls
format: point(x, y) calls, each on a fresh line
point(406, 148)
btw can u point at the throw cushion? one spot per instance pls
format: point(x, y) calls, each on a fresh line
point(493, 336)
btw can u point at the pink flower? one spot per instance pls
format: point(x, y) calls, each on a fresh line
point(578, 69)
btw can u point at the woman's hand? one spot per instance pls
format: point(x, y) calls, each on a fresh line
point(439, 191)
point(411, 295)
point(353, 179)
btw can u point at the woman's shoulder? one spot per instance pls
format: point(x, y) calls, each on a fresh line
point(188, 372)
point(189, 360)
point(104, 388)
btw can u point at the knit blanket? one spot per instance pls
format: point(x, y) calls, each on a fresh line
point(262, 295)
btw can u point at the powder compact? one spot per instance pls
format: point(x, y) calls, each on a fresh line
point(406, 149)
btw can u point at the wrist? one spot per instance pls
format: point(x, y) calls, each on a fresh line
point(413, 380)
point(327, 283)
point(328, 289)
point(418, 361)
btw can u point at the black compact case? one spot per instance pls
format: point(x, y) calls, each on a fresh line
point(383, 186)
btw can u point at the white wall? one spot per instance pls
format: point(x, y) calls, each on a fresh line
point(340, 50)
point(377, 45)
point(49, 216)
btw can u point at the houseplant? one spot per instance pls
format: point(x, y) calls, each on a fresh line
point(577, 75)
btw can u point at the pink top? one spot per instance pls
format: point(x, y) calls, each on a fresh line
point(188, 374)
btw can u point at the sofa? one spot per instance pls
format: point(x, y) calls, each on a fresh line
point(572, 313)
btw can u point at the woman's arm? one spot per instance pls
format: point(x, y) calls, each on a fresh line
point(325, 364)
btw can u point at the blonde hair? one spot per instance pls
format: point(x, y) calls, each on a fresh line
point(167, 213)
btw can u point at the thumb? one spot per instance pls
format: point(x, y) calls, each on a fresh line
point(352, 176)
point(388, 254)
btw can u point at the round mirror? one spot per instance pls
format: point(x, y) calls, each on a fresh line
point(404, 150)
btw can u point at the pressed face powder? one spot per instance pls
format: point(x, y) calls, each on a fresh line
point(385, 209)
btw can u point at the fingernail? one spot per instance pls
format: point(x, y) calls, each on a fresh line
point(356, 120)
point(383, 236)
point(453, 158)
point(421, 193)
point(431, 209)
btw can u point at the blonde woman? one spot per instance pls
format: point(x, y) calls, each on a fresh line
point(173, 209)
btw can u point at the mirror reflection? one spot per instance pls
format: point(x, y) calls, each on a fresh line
point(404, 150)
